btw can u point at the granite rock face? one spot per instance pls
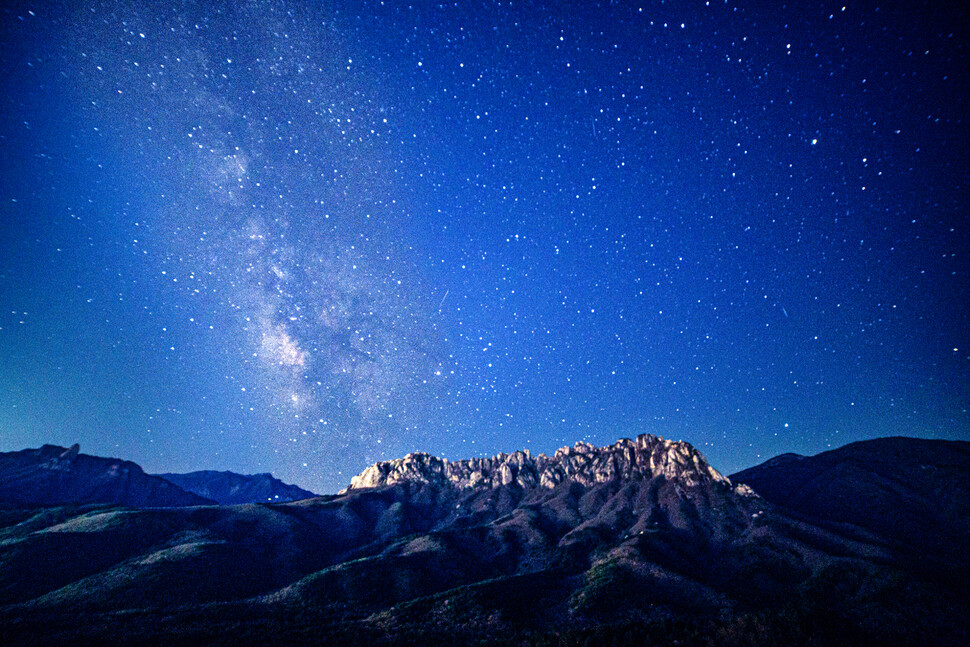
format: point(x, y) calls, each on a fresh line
point(646, 457)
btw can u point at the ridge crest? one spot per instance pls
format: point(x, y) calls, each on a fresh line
point(647, 456)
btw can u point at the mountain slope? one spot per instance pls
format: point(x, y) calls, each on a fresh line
point(229, 488)
point(642, 534)
point(913, 492)
point(54, 475)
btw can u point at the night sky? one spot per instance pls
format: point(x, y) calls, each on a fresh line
point(301, 237)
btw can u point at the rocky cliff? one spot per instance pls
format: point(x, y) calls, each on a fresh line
point(646, 457)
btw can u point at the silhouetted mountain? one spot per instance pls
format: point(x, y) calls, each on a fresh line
point(913, 492)
point(640, 542)
point(229, 488)
point(54, 475)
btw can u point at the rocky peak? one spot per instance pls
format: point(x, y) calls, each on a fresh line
point(646, 457)
point(58, 458)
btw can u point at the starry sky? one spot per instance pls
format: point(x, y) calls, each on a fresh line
point(300, 237)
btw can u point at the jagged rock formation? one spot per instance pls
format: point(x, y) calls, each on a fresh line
point(646, 457)
point(229, 488)
point(620, 490)
point(54, 475)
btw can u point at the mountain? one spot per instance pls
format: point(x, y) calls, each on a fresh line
point(54, 475)
point(639, 542)
point(229, 488)
point(913, 492)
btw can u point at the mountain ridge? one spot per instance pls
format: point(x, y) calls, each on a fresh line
point(912, 491)
point(642, 536)
point(52, 475)
point(582, 463)
point(232, 488)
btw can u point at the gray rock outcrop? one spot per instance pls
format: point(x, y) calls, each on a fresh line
point(646, 457)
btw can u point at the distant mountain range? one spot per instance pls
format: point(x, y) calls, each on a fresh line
point(640, 542)
point(54, 475)
point(229, 488)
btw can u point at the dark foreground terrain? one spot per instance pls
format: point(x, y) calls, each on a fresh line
point(638, 543)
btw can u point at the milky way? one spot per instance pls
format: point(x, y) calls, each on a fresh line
point(272, 198)
point(272, 237)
